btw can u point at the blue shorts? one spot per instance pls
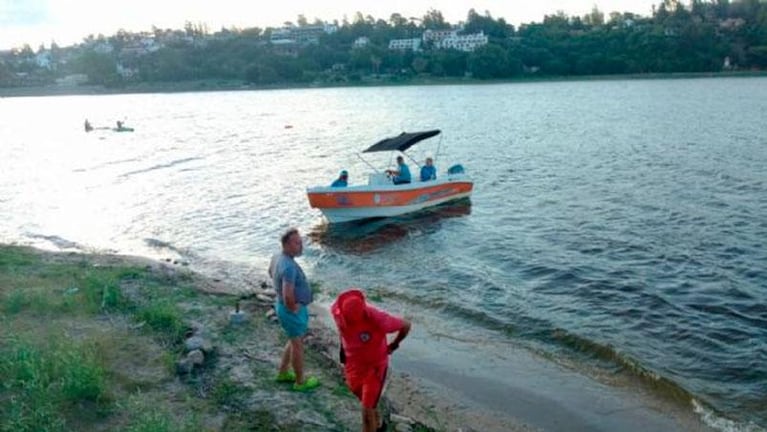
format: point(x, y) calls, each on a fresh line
point(295, 324)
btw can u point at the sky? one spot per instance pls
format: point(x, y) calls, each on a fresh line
point(69, 21)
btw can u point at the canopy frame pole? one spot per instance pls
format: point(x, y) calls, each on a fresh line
point(414, 161)
point(439, 147)
point(368, 163)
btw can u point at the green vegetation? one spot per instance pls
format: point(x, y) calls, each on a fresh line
point(59, 366)
point(92, 343)
point(695, 37)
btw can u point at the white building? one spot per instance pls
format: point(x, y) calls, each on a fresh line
point(361, 42)
point(450, 39)
point(442, 39)
point(405, 44)
point(43, 60)
point(467, 43)
point(303, 35)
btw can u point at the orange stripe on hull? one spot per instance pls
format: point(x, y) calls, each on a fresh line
point(387, 198)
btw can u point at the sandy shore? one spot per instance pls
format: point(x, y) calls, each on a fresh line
point(470, 383)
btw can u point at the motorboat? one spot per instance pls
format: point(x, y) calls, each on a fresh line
point(380, 197)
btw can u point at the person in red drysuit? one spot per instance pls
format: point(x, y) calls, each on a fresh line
point(365, 350)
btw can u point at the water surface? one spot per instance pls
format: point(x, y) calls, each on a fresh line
point(617, 226)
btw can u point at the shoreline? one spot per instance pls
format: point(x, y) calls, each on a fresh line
point(238, 85)
point(438, 382)
point(497, 386)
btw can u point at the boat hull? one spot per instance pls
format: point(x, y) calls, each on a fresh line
point(363, 202)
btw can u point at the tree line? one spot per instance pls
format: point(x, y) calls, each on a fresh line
point(700, 36)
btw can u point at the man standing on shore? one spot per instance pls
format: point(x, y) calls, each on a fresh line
point(293, 297)
point(365, 350)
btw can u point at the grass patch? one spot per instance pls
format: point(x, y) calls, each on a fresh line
point(228, 393)
point(315, 286)
point(156, 417)
point(45, 380)
point(163, 317)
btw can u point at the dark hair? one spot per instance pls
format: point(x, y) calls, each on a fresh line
point(286, 236)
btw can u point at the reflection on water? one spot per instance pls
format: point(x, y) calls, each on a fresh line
point(360, 237)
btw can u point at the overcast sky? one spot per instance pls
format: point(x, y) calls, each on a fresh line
point(69, 21)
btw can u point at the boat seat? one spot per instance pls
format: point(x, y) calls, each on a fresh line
point(378, 179)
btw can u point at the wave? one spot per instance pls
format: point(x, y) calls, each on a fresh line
point(159, 166)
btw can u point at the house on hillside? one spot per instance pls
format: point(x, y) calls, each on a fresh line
point(361, 42)
point(467, 43)
point(441, 39)
point(405, 44)
point(301, 35)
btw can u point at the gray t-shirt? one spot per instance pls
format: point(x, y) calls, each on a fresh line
point(287, 269)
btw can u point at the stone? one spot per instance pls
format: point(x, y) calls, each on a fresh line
point(184, 366)
point(194, 342)
point(403, 427)
point(198, 342)
point(237, 317)
point(196, 357)
point(264, 298)
point(395, 418)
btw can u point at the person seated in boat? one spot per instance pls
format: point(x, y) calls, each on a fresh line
point(88, 126)
point(119, 124)
point(342, 180)
point(402, 174)
point(428, 170)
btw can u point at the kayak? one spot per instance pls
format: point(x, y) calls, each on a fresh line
point(123, 129)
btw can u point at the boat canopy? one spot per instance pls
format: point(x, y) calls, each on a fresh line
point(401, 142)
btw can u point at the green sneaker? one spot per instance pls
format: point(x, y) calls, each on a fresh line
point(286, 377)
point(310, 383)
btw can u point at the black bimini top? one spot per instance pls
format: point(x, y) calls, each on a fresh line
point(401, 142)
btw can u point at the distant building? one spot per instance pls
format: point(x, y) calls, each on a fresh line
point(301, 35)
point(127, 72)
point(467, 43)
point(405, 44)
point(43, 60)
point(731, 23)
point(441, 39)
point(361, 42)
point(72, 80)
point(727, 64)
point(103, 48)
point(437, 35)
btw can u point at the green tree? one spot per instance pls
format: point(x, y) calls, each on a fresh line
point(433, 20)
point(489, 61)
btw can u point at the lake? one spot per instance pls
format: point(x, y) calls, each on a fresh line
point(616, 226)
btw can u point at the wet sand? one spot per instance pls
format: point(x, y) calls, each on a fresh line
point(470, 383)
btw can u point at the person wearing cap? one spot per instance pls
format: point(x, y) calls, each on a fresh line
point(365, 350)
point(342, 180)
point(402, 174)
point(428, 170)
point(293, 297)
